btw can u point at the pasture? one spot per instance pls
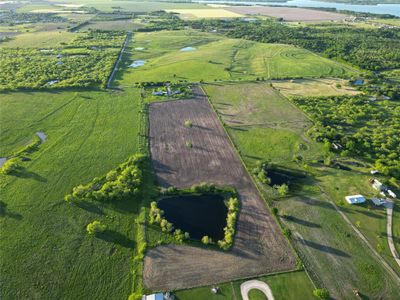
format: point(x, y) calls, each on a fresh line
point(288, 13)
point(326, 243)
point(259, 246)
point(218, 58)
point(205, 13)
point(313, 87)
point(263, 124)
point(40, 39)
point(46, 252)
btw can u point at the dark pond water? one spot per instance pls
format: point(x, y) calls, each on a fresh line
point(199, 215)
point(280, 176)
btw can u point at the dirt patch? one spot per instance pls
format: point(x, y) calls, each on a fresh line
point(259, 247)
point(288, 13)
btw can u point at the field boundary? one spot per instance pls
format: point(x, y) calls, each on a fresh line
point(121, 53)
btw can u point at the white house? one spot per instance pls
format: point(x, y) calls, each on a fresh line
point(391, 194)
point(355, 199)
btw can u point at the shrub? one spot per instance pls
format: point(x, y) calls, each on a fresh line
point(135, 296)
point(229, 230)
point(188, 123)
point(283, 190)
point(321, 293)
point(287, 232)
point(206, 240)
point(10, 166)
point(189, 144)
point(95, 228)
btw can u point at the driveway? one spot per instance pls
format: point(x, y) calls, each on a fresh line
point(245, 288)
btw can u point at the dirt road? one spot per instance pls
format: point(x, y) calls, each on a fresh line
point(245, 288)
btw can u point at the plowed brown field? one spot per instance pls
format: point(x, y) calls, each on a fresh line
point(259, 247)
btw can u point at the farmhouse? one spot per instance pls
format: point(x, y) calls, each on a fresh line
point(355, 199)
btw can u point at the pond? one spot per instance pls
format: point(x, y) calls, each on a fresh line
point(137, 63)
point(199, 215)
point(186, 49)
point(281, 176)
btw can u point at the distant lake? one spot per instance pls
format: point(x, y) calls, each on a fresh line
point(393, 9)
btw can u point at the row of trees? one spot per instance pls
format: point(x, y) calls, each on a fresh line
point(156, 217)
point(229, 230)
point(118, 184)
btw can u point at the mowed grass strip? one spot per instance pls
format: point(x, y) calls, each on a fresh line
point(300, 288)
point(46, 253)
point(216, 58)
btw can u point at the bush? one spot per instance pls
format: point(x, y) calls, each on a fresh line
point(321, 293)
point(206, 240)
point(287, 232)
point(188, 123)
point(95, 228)
point(283, 190)
point(10, 166)
point(135, 296)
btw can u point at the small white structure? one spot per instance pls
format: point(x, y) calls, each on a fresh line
point(158, 296)
point(355, 199)
point(373, 172)
point(378, 202)
point(376, 184)
point(391, 194)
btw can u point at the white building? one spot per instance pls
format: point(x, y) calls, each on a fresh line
point(158, 296)
point(378, 202)
point(355, 199)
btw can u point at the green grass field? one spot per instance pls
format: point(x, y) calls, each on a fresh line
point(44, 39)
point(332, 252)
point(46, 253)
point(218, 58)
point(263, 124)
point(300, 288)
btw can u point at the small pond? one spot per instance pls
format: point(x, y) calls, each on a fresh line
point(137, 63)
point(186, 49)
point(281, 176)
point(199, 215)
point(2, 160)
point(42, 136)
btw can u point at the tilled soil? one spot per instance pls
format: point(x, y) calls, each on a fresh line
point(259, 246)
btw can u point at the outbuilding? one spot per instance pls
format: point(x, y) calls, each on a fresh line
point(355, 199)
point(378, 202)
point(157, 296)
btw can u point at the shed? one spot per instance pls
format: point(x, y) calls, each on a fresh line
point(378, 202)
point(157, 296)
point(355, 199)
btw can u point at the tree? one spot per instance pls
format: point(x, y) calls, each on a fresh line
point(321, 293)
point(283, 190)
point(95, 228)
point(206, 240)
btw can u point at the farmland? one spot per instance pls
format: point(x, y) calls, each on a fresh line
point(153, 146)
point(310, 229)
point(218, 58)
point(86, 137)
point(288, 13)
point(214, 161)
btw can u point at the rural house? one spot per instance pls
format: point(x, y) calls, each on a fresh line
point(355, 199)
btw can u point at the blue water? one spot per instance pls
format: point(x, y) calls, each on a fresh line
point(137, 63)
point(186, 49)
point(393, 9)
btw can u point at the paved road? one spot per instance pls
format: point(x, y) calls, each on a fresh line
point(389, 213)
point(245, 288)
